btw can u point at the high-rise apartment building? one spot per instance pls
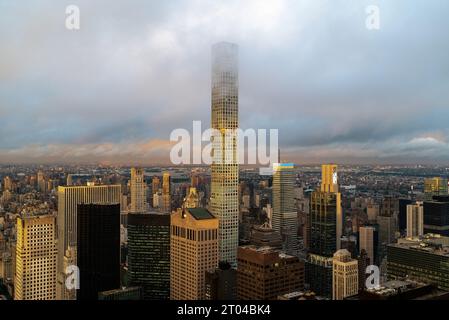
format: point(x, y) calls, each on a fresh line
point(285, 216)
point(36, 254)
point(68, 200)
point(149, 254)
point(224, 201)
point(98, 249)
point(193, 252)
point(265, 273)
point(415, 220)
point(345, 279)
point(435, 187)
point(138, 191)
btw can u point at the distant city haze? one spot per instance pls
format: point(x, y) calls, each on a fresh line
point(113, 91)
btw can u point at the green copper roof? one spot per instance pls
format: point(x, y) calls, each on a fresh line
point(200, 213)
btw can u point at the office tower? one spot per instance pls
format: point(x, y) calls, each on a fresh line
point(388, 224)
point(36, 254)
point(166, 198)
point(130, 293)
point(402, 217)
point(345, 272)
point(363, 262)
point(366, 241)
point(265, 273)
point(41, 184)
point(285, 217)
point(193, 251)
point(436, 215)
point(372, 210)
point(138, 191)
point(221, 284)
point(390, 207)
point(68, 199)
point(224, 201)
point(264, 235)
point(435, 187)
point(98, 249)
point(149, 254)
point(425, 260)
point(155, 184)
point(192, 199)
point(69, 181)
point(415, 220)
point(325, 220)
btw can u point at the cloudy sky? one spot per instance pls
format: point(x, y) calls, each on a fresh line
point(138, 69)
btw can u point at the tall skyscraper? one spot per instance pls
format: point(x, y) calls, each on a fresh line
point(36, 258)
point(166, 198)
point(193, 252)
point(435, 187)
point(138, 191)
point(366, 241)
point(325, 219)
point(68, 200)
point(345, 277)
point(98, 249)
point(415, 220)
point(224, 201)
point(149, 254)
point(285, 217)
point(265, 273)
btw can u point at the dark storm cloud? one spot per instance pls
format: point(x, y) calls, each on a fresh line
point(137, 70)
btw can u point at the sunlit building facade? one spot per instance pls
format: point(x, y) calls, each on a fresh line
point(224, 201)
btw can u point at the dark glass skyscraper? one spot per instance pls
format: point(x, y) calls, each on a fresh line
point(98, 249)
point(436, 216)
point(149, 254)
point(325, 221)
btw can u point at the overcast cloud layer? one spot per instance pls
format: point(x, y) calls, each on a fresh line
point(114, 90)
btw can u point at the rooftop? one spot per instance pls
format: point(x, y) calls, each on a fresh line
point(200, 213)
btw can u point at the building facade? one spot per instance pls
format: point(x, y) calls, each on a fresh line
point(193, 252)
point(36, 254)
point(345, 275)
point(265, 273)
point(138, 191)
point(98, 249)
point(224, 200)
point(149, 254)
point(285, 216)
point(68, 199)
point(415, 220)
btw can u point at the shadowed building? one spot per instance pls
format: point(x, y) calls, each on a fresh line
point(149, 254)
point(98, 249)
point(265, 273)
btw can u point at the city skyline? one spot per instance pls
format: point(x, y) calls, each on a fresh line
point(337, 91)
